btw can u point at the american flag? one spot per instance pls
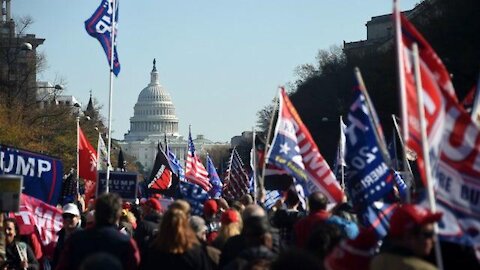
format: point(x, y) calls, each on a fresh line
point(195, 171)
point(237, 180)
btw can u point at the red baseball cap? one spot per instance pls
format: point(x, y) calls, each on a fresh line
point(229, 216)
point(154, 204)
point(407, 216)
point(210, 207)
point(357, 252)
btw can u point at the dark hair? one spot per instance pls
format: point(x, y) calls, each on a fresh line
point(317, 201)
point(15, 225)
point(108, 209)
point(292, 198)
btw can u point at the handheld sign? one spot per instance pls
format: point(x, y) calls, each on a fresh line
point(123, 183)
point(10, 190)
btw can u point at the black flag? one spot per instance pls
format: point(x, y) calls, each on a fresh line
point(162, 180)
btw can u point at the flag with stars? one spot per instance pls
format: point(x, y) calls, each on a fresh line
point(294, 150)
point(368, 178)
point(87, 158)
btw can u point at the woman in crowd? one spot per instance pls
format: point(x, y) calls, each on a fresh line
point(19, 255)
point(231, 226)
point(176, 245)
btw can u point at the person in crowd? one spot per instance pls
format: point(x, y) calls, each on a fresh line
point(18, 255)
point(181, 205)
point(246, 199)
point(90, 219)
point(297, 259)
point(103, 237)
point(238, 206)
point(176, 245)
point(198, 225)
point(71, 224)
point(210, 211)
point(257, 252)
point(128, 222)
point(148, 227)
point(285, 219)
point(101, 261)
point(353, 252)
point(222, 204)
point(236, 244)
point(231, 225)
point(317, 203)
point(324, 237)
point(410, 239)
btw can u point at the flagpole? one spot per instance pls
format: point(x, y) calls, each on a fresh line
point(406, 165)
point(425, 152)
point(401, 73)
point(112, 50)
point(78, 155)
point(342, 169)
point(254, 167)
point(261, 181)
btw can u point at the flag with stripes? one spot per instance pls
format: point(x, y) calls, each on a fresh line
point(237, 180)
point(195, 171)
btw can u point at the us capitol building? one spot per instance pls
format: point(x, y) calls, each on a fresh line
point(153, 118)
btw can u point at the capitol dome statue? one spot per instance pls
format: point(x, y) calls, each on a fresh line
point(153, 121)
point(154, 112)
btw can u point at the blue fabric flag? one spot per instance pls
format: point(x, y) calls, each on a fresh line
point(217, 186)
point(99, 26)
point(175, 164)
point(271, 197)
point(194, 195)
point(377, 217)
point(401, 186)
point(368, 178)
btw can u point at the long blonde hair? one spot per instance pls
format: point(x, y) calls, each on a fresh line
point(175, 235)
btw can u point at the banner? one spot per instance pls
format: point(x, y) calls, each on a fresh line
point(42, 175)
point(294, 150)
point(40, 218)
point(123, 183)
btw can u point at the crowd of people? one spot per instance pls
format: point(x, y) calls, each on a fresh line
point(112, 234)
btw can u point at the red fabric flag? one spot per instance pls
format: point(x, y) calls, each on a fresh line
point(41, 219)
point(435, 83)
point(87, 164)
point(87, 158)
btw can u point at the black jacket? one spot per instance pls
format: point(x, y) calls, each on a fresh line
point(195, 258)
point(96, 240)
point(13, 258)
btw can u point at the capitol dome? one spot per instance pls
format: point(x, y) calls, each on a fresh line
point(154, 112)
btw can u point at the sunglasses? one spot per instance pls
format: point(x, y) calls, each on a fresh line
point(68, 216)
point(427, 234)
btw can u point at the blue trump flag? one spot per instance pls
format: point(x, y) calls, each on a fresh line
point(217, 186)
point(42, 175)
point(368, 177)
point(100, 25)
point(175, 164)
point(194, 195)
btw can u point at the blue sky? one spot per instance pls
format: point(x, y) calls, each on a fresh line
point(220, 60)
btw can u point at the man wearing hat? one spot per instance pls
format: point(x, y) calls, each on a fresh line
point(410, 239)
point(71, 224)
